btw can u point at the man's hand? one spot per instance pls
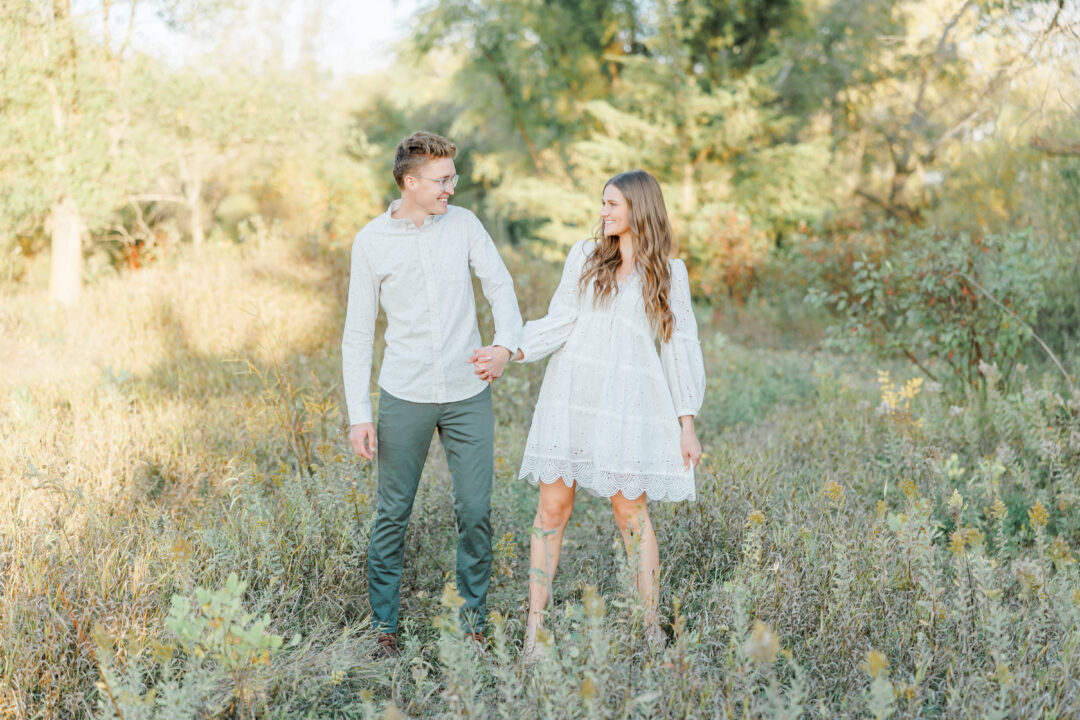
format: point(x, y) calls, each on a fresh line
point(490, 361)
point(690, 447)
point(362, 437)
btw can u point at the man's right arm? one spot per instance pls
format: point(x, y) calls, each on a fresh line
point(357, 343)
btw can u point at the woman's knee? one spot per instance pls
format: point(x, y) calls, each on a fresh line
point(555, 507)
point(629, 514)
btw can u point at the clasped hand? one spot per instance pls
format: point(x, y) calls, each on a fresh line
point(489, 362)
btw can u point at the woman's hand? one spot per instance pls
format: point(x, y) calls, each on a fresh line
point(691, 448)
point(489, 362)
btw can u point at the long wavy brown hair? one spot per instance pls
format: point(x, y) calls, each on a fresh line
point(653, 245)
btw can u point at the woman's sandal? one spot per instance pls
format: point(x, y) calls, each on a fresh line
point(532, 653)
point(656, 637)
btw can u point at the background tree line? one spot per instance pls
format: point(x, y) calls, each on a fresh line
point(793, 138)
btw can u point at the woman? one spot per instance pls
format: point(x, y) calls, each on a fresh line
point(614, 416)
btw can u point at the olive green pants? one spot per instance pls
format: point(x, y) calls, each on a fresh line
point(467, 431)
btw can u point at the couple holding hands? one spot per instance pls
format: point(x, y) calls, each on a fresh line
point(614, 417)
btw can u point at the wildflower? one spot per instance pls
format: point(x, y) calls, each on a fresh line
point(763, 645)
point(1076, 597)
point(998, 510)
point(990, 372)
point(953, 469)
point(587, 691)
point(962, 538)
point(911, 388)
point(956, 503)
point(889, 397)
point(907, 486)
point(881, 509)
point(1060, 553)
point(1050, 449)
point(450, 597)
point(755, 518)
point(1004, 454)
point(1064, 501)
point(958, 543)
point(955, 410)
point(181, 550)
point(593, 603)
point(834, 492)
point(876, 663)
point(1038, 516)
point(1027, 573)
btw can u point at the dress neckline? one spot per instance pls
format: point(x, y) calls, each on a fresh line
point(632, 274)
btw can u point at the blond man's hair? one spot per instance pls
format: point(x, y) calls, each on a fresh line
point(417, 149)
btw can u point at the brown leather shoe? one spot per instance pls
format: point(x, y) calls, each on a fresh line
point(386, 647)
point(479, 639)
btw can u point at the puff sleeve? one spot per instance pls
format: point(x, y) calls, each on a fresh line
point(542, 337)
point(680, 356)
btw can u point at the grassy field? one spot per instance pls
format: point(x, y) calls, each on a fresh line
point(182, 528)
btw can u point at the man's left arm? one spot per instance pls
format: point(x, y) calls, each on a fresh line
point(498, 288)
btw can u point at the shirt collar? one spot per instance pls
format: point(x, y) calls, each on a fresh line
point(407, 224)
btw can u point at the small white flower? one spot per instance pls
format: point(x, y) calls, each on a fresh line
point(989, 371)
point(1050, 449)
point(1004, 454)
point(955, 410)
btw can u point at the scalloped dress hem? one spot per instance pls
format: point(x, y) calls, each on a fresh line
point(604, 483)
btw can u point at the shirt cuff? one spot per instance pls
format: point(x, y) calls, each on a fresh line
point(526, 353)
point(508, 340)
point(361, 414)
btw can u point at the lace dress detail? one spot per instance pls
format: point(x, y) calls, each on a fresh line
point(607, 414)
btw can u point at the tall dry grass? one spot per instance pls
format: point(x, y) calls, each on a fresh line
point(183, 529)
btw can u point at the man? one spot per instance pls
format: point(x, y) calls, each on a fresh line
point(414, 260)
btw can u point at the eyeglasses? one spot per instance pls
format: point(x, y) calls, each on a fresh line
point(445, 183)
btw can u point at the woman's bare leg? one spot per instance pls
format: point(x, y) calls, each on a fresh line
point(553, 512)
point(632, 517)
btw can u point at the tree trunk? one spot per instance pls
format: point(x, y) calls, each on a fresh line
point(65, 273)
point(194, 203)
point(191, 181)
point(65, 281)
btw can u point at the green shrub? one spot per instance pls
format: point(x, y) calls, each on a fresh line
point(949, 303)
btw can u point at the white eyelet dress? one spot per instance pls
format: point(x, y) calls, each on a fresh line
point(608, 410)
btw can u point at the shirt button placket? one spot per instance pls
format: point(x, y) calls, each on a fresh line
point(425, 246)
